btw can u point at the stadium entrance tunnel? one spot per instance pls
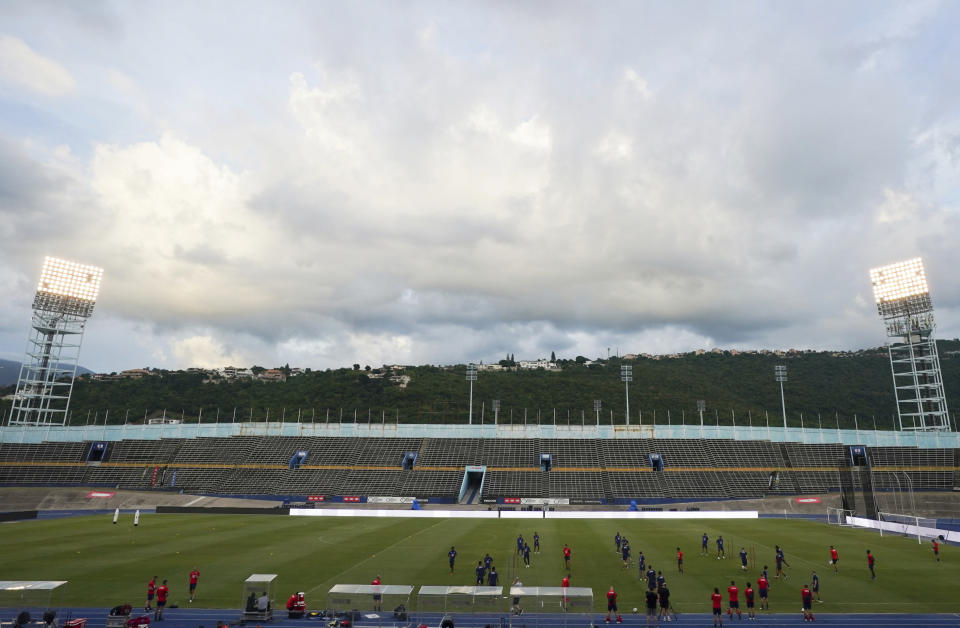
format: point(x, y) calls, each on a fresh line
point(472, 486)
point(298, 458)
point(656, 462)
point(97, 451)
point(409, 460)
point(546, 462)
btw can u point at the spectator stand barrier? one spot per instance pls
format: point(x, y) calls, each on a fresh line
point(467, 605)
point(357, 603)
point(40, 599)
point(552, 607)
point(258, 597)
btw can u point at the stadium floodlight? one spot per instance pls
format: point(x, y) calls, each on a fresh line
point(496, 410)
point(65, 298)
point(780, 374)
point(903, 302)
point(701, 406)
point(596, 408)
point(471, 377)
point(626, 376)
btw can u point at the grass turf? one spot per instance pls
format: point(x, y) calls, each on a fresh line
point(110, 564)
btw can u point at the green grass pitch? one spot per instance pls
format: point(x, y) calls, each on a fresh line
point(110, 564)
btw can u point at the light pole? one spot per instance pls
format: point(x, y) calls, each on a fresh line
point(471, 377)
point(496, 410)
point(596, 408)
point(780, 374)
point(626, 376)
point(701, 406)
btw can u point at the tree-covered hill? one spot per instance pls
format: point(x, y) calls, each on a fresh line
point(735, 387)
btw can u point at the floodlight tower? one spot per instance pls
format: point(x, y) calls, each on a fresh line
point(701, 406)
point(597, 404)
point(626, 376)
point(780, 374)
point(471, 377)
point(903, 302)
point(62, 304)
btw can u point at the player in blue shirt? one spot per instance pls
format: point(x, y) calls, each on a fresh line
point(651, 578)
point(721, 553)
point(815, 585)
point(703, 545)
point(526, 555)
point(743, 559)
point(642, 563)
point(492, 580)
point(625, 554)
point(487, 561)
point(453, 556)
point(536, 542)
point(481, 572)
point(617, 540)
point(660, 580)
point(520, 544)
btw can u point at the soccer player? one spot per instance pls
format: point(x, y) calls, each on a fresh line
point(494, 577)
point(743, 559)
point(748, 597)
point(487, 561)
point(834, 559)
point(617, 540)
point(720, 551)
point(151, 592)
point(936, 549)
point(651, 607)
point(642, 563)
point(452, 554)
point(526, 555)
point(520, 544)
point(733, 595)
point(625, 554)
point(815, 585)
point(162, 593)
point(807, 597)
point(664, 594)
point(717, 601)
point(781, 561)
point(194, 577)
point(679, 561)
point(516, 598)
point(536, 542)
point(566, 556)
point(377, 597)
point(651, 578)
point(481, 572)
point(763, 588)
point(660, 580)
point(870, 562)
point(703, 545)
point(612, 606)
point(764, 572)
point(564, 584)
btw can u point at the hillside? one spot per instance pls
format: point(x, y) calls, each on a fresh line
point(741, 385)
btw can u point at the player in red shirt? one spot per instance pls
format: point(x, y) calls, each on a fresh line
point(679, 560)
point(377, 597)
point(564, 584)
point(612, 605)
point(194, 576)
point(162, 592)
point(936, 549)
point(151, 592)
point(717, 600)
point(748, 596)
point(807, 597)
point(870, 561)
point(734, 594)
point(834, 558)
point(566, 556)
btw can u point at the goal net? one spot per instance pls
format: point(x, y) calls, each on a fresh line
point(838, 516)
point(924, 528)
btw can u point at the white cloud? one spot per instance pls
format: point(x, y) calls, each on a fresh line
point(205, 352)
point(637, 83)
point(21, 65)
point(896, 207)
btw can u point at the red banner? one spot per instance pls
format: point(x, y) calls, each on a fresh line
point(351, 498)
point(153, 479)
point(807, 500)
point(315, 498)
point(511, 500)
point(93, 494)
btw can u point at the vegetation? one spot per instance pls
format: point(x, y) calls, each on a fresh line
point(109, 564)
point(827, 388)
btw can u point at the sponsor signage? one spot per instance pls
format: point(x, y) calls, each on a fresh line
point(316, 498)
point(389, 500)
point(351, 498)
point(544, 501)
point(807, 500)
point(511, 500)
point(475, 468)
point(100, 494)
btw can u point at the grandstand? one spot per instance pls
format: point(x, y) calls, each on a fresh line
point(582, 471)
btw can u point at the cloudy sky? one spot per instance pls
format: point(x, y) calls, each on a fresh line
point(325, 183)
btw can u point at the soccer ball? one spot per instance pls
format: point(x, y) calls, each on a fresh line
point(634, 609)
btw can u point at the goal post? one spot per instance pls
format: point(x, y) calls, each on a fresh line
point(908, 525)
point(838, 516)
